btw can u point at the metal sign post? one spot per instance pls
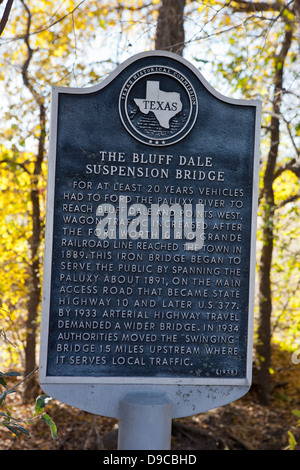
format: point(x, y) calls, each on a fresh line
point(145, 422)
point(150, 247)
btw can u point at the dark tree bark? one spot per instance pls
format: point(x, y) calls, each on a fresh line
point(170, 27)
point(263, 348)
point(34, 284)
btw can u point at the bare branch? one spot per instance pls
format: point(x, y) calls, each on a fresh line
point(43, 28)
point(21, 165)
point(286, 201)
point(30, 52)
point(292, 138)
point(251, 7)
point(21, 381)
point(292, 166)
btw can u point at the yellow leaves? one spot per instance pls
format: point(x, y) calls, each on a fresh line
point(102, 23)
point(295, 302)
point(227, 19)
point(44, 39)
point(15, 230)
point(59, 51)
point(292, 441)
point(288, 15)
point(286, 186)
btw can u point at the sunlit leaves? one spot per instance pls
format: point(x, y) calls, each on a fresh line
point(286, 186)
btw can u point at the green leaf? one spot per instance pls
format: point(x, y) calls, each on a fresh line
point(41, 402)
point(16, 429)
point(12, 374)
point(7, 374)
point(21, 429)
point(2, 382)
point(2, 397)
point(51, 424)
point(12, 429)
point(8, 416)
point(292, 440)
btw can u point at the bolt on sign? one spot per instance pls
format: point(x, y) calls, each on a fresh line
point(150, 239)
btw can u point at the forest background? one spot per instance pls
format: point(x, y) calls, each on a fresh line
point(245, 49)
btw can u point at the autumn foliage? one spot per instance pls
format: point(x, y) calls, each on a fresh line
point(245, 49)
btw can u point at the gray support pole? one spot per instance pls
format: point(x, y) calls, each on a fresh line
point(145, 422)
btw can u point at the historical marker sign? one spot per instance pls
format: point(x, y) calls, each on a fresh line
point(150, 243)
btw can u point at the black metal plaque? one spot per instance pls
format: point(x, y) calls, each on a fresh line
point(151, 228)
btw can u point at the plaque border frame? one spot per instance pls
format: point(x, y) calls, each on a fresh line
point(228, 382)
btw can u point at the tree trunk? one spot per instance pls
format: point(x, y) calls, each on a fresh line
point(34, 294)
point(34, 284)
point(170, 29)
point(263, 348)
